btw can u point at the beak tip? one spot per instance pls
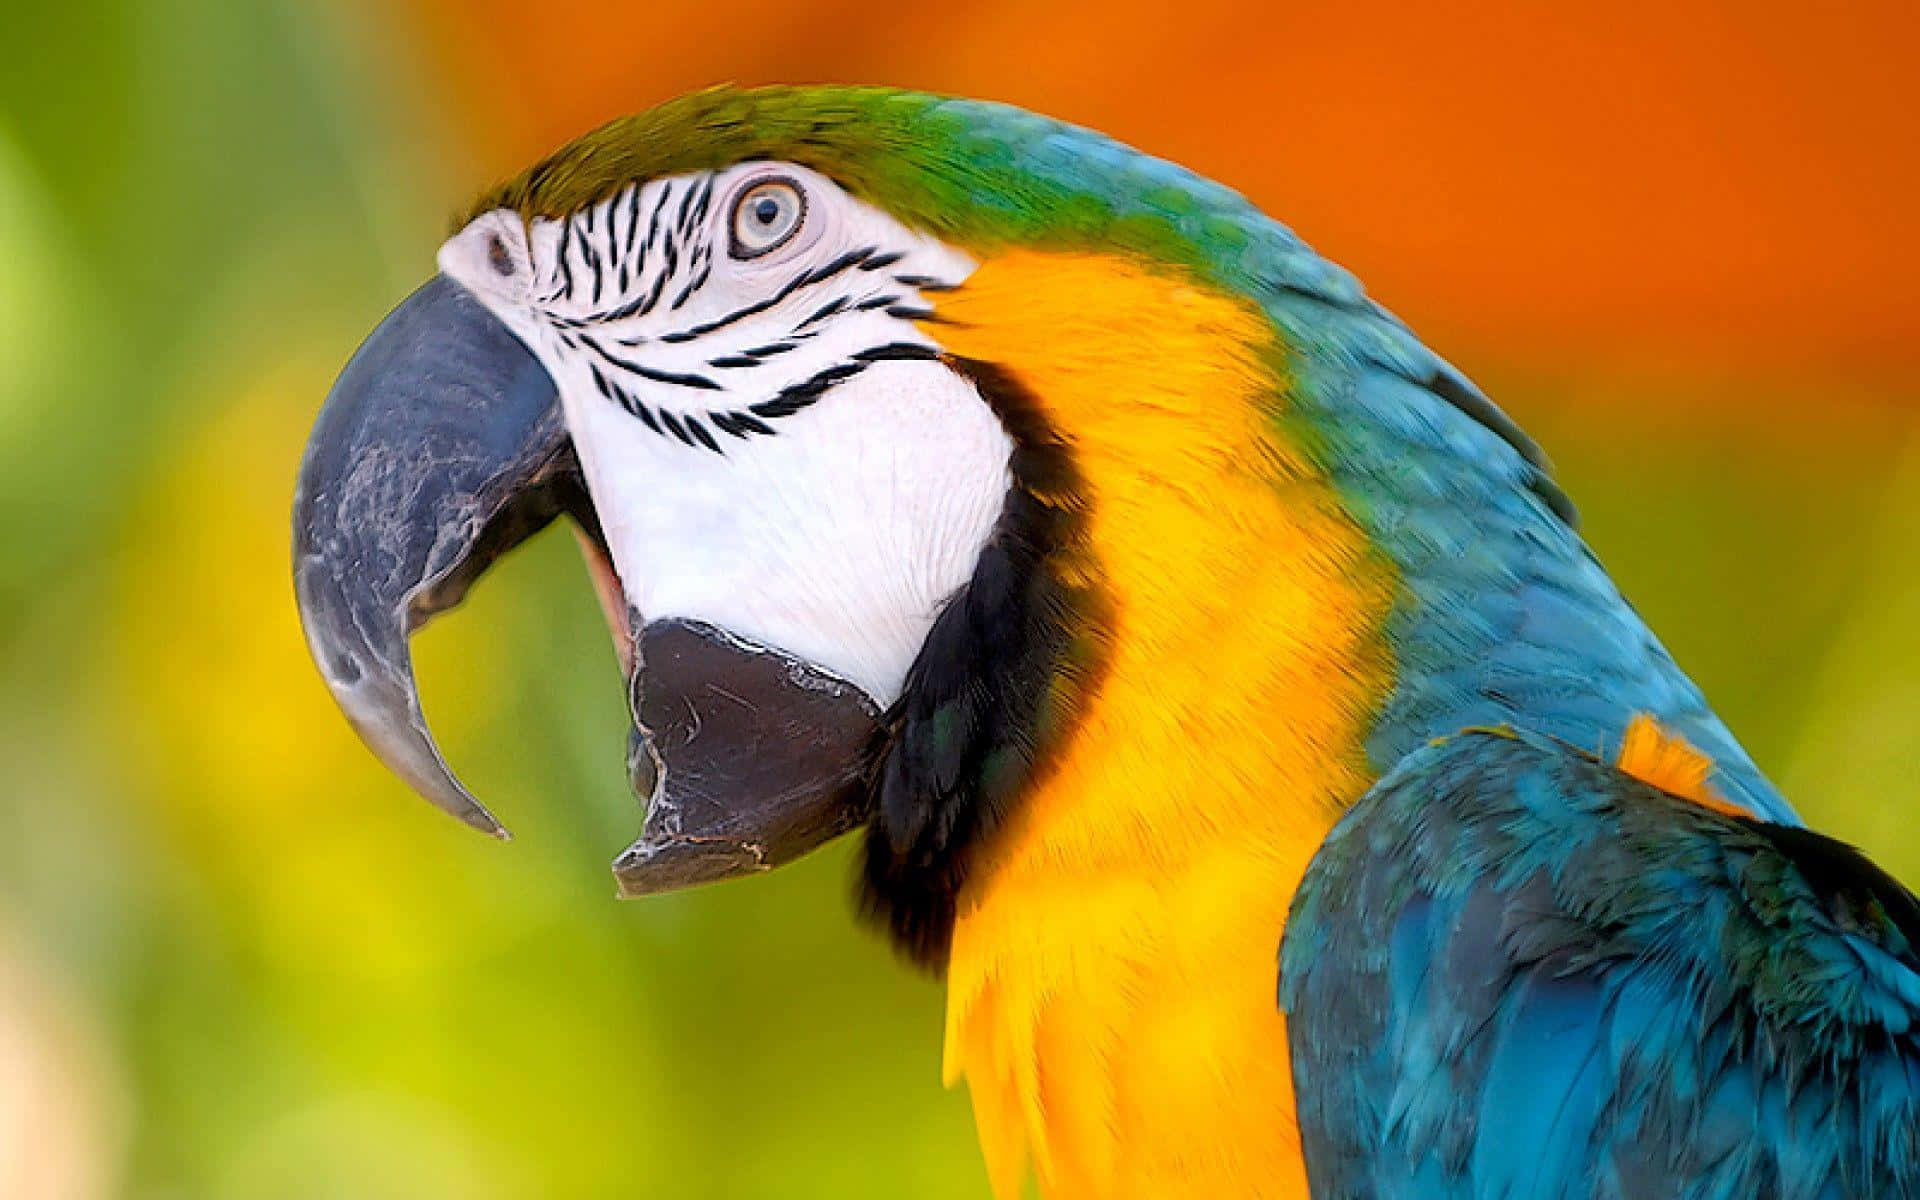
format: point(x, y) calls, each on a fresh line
point(449, 795)
point(486, 823)
point(389, 724)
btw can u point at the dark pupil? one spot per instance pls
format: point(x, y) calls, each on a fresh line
point(766, 210)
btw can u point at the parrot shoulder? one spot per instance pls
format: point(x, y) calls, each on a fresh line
point(1516, 969)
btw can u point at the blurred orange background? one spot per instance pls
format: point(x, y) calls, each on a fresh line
point(238, 959)
point(1693, 182)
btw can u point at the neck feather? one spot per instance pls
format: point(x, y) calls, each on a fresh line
point(1111, 974)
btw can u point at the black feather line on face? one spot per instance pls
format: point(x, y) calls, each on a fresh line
point(994, 688)
point(566, 267)
point(633, 222)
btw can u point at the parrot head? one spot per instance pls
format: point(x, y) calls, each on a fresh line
point(834, 553)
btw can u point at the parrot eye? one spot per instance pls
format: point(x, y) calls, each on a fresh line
point(765, 217)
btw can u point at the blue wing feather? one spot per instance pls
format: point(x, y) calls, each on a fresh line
point(1515, 971)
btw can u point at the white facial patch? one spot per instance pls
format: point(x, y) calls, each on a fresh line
point(772, 445)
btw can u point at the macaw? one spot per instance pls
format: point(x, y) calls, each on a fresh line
point(1233, 714)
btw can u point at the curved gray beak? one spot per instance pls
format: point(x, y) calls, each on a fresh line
point(440, 448)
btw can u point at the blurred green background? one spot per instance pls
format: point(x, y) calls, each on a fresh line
point(236, 960)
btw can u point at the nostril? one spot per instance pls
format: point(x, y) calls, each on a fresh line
point(346, 668)
point(498, 258)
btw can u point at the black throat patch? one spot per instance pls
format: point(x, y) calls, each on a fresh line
point(995, 686)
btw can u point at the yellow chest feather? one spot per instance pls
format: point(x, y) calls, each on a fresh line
point(1111, 988)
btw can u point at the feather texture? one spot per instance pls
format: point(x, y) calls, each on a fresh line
point(1514, 970)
